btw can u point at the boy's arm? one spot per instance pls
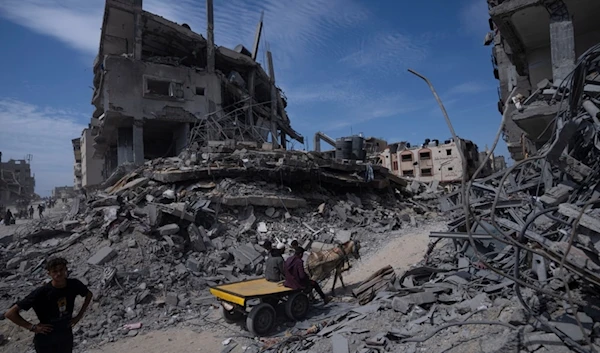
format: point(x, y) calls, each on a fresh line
point(13, 315)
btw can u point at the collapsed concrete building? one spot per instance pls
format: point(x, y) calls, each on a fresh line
point(159, 86)
point(16, 180)
point(535, 47)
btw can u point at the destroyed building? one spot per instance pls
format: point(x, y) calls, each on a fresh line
point(16, 180)
point(430, 161)
point(77, 165)
point(535, 45)
point(492, 163)
point(91, 167)
point(351, 148)
point(158, 86)
point(63, 192)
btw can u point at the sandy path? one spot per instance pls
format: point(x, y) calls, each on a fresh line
point(406, 248)
point(178, 340)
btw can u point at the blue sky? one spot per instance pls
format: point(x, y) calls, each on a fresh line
point(341, 63)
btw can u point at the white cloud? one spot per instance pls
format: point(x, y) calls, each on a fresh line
point(387, 52)
point(290, 27)
point(46, 133)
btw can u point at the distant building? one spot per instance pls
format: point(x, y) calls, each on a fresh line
point(493, 164)
point(431, 161)
point(16, 180)
point(64, 192)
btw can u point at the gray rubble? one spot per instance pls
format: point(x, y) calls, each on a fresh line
point(151, 244)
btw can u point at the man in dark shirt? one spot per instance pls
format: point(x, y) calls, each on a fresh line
point(274, 266)
point(53, 304)
point(296, 278)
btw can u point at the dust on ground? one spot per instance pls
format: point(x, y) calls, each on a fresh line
point(181, 340)
point(403, 249)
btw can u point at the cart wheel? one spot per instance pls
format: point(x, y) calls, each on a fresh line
point(261, 319)
point(296, 307)
point(232, 316)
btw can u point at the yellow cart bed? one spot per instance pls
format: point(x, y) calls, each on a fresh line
point(256, 301)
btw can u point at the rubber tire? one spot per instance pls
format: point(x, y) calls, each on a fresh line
point(297, 301)
point(261, 312)
point(231, 317)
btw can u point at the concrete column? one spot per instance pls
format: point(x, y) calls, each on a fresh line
point(138, 142)
point(562, 44)
point(274, 117)
point(210, 37)
point(124, 145)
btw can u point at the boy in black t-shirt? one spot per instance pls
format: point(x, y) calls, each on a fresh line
point(53, 304)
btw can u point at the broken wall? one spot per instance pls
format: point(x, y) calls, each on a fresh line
point(141, 89)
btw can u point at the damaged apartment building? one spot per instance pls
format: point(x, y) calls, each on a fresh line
point(431, 161)
point(159, 87)
point(536, 44)
point(16, 180)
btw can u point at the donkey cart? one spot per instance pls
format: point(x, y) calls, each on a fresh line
point(256, 300)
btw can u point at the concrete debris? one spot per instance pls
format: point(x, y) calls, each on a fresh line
point(152, 242)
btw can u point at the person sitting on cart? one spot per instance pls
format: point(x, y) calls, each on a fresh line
point(296, 278)
point(274, 271)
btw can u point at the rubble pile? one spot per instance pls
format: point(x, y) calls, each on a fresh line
point(517, 270)
point(536, 224)
point(149, 244)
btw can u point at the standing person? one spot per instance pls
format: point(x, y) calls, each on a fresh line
point(53, 304)
point(296, 278)
point(274, 271)
point(41, 211)
point(31, 211)
point(8, 218)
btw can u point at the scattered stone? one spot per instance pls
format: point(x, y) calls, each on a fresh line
point(102, 256)
point(168, 229)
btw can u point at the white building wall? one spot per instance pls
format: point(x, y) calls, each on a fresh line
point(444, 163)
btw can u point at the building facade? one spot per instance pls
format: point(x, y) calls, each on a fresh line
point(16, 180)
point(92, 168)
point(77, 165)
point(159, 86)
point(430, 161)
point(535, 47)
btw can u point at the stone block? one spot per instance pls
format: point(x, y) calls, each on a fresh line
point(168, 229)
point(172, 299)
point(343, 236)
point(193, 264)
point(102, 256)
point(400, 304)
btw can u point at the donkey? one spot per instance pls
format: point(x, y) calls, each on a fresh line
point(320, 264)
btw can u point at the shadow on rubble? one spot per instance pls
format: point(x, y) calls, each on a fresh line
point(317, 314)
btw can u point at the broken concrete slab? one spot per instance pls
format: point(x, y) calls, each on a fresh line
point(197, 236)
point(401, 304)
point(168, 229)
point(264, 201)
point(102, 256)
point(339, 344)
point(193, 264)
point(343, 236)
